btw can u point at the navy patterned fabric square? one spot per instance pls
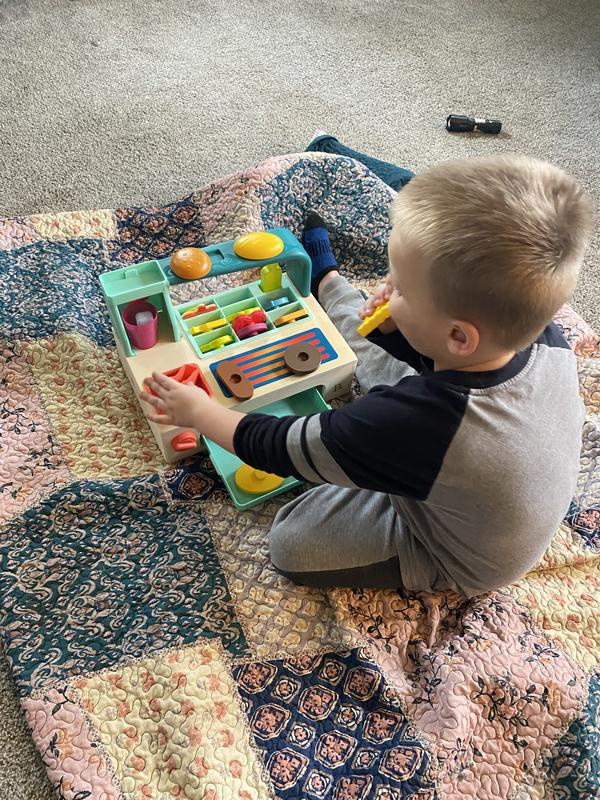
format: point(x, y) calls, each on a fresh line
point(102, 571)
point(330, 726)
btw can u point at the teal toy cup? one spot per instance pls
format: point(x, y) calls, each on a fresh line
point(145, 336)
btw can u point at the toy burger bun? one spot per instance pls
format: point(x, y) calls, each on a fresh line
point(190, 263)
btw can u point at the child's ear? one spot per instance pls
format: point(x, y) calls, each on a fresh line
point(463, 338)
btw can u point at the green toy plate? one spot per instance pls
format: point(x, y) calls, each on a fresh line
point(226, 464)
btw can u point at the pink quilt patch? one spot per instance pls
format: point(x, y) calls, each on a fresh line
point(31, 463)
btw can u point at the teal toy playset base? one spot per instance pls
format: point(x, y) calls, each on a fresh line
point(151, 280)
point(248, 329)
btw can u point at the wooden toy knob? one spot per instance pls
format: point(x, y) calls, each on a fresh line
point(302, 358)
point(231, 377)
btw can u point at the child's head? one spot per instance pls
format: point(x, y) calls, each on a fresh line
point(482, 254)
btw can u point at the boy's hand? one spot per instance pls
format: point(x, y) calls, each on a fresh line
point(380, 296)
point(176, 403)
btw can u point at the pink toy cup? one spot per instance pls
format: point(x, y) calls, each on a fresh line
point(141, 336)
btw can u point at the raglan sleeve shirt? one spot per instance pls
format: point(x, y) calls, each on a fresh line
point(391, 440)
point(481, 466)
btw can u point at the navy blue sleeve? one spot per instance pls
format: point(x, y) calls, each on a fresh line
point(396, 345)
point(395, 438)
point(259, 440)
point(392, 440)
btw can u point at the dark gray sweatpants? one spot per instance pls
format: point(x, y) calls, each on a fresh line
point(333, 536)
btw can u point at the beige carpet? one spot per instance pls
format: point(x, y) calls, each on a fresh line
point(112, 103)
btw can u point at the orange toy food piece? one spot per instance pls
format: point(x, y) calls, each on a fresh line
point(201, 309)
point(190, 374)
point(186, 440)
point(291, 317)
point(190, 263)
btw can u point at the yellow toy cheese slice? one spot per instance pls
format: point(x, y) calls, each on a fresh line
point(369, 324)
point(255, 481)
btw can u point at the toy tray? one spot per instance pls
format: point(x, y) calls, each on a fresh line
point(236, 301)
point(308, 402)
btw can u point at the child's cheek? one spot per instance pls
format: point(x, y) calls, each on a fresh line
point(396, 308)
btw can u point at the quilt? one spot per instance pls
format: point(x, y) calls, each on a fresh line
point(156, 652)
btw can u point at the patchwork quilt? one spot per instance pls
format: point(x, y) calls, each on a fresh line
point(156, 652)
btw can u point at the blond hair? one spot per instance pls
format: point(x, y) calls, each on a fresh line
point(503, 238)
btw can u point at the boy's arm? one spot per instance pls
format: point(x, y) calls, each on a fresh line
point(392, 440)
point(189, 406)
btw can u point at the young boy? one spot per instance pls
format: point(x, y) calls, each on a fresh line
point(455, 471)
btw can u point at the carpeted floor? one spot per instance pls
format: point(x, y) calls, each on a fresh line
point(119, 103)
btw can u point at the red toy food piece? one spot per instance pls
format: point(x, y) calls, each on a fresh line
point(184, 441)
point(243, 320)
point(201, 309)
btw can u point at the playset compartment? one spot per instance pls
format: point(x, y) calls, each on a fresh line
point(192, 305)
point(201, 319)
point(283, 311)
point(128, 281)
point(231, 296)
point(238, 300)
point(201, 340)
point(243, 306)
